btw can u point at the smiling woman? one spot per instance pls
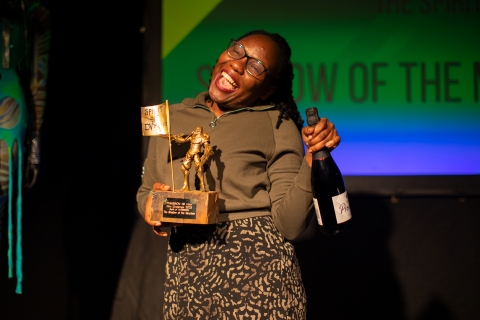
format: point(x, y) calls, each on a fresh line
point(233, 85)
point(244, 265)
point(237, 51)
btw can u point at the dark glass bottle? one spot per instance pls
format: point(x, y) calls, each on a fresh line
point(329, 192)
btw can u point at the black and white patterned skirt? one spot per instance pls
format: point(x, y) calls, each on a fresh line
point(242, 269)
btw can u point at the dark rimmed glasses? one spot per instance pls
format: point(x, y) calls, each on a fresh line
point(254, 66)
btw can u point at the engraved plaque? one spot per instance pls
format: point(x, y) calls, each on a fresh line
point(179, 208)
point(192, 207)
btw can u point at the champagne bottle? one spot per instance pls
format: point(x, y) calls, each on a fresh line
point(329, 192)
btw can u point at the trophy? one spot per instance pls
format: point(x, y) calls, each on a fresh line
point(182, 206)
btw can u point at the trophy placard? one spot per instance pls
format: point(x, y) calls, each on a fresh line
point(183, 206)
point(193, 207)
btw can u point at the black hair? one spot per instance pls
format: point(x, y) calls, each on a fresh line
point(282, 98)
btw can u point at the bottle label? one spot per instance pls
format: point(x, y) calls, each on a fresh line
point(340, 205)
point(317, 211)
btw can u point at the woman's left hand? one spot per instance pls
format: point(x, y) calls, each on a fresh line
point(323, 134)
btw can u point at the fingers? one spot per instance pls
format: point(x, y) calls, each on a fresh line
point(316, 133)
point(148, 212)
point(334, 140)
point(148, 219)
point(158, 186)
point(148, 205)
point(323, 134)
point(159, 232)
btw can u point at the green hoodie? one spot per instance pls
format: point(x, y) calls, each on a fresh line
point(257, 169)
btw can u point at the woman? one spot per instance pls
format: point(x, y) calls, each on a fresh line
point(244, 266)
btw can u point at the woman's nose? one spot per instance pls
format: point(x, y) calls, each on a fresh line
point(239, 65)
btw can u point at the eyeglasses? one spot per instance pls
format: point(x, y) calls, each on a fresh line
point(237, 51)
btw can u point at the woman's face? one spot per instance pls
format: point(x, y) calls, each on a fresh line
point(232, 87)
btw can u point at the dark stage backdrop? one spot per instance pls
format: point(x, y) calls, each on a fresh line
point(78, 217)
point(413, 253)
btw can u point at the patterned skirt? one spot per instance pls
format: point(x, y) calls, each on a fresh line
point(242, 269)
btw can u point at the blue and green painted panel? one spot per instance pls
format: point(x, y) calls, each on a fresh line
point(400, 79)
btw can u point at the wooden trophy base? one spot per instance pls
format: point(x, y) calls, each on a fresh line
point(190, 207)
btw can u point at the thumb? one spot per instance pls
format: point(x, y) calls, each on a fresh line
point(157, 186)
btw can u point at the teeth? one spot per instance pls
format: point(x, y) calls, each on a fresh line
point(229, 79)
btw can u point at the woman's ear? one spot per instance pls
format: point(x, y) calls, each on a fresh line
point(269, 93)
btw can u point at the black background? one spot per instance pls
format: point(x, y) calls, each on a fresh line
point(78, 216)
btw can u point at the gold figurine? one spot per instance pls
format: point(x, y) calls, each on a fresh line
point(197, 139)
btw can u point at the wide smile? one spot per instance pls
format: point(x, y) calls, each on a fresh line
point(225, 82)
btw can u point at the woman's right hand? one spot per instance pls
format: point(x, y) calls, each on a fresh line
point(148, 209)
point(323, 134)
